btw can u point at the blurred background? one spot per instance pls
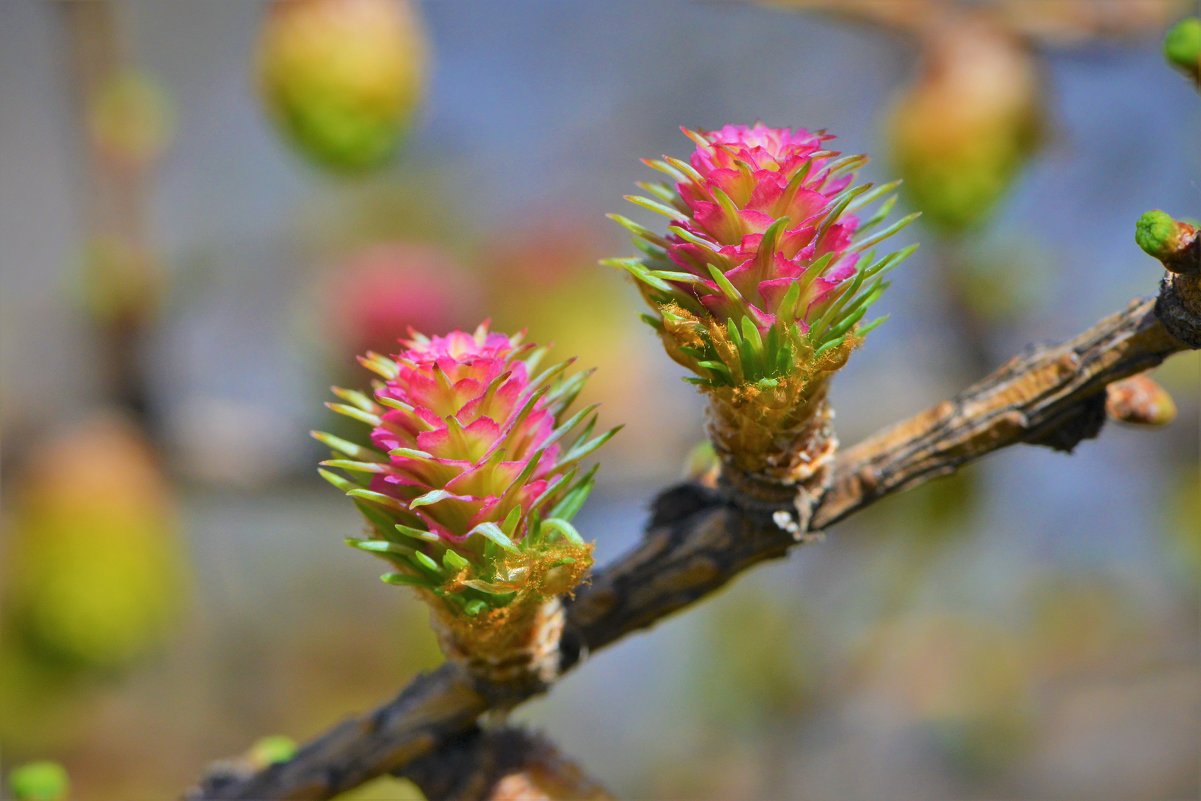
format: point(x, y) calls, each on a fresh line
point(209, 208)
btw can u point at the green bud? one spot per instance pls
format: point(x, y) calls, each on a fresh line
point(1156, 233)
point(1176, 244)
point(1182, 45)
point(39, 781)
point(272, 749)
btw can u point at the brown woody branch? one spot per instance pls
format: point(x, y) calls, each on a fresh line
point(902, 17)
point(698, 539)
point(1060, 23)
point(1054, 23)
point(1050, 396)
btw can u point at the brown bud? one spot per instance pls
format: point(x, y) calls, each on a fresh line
point(1139, 400)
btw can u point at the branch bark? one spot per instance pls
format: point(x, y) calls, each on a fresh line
point(1050, 396)
point(698, 539)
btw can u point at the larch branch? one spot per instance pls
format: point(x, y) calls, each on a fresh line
point(700, 538)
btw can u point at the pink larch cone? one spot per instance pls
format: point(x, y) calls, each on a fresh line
point(470, 479)
point(759, 287)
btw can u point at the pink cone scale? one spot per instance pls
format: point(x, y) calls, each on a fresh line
point(469, 474)
point(770, 240)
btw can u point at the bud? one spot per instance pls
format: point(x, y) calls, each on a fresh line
point(1139, 400)
point(129, 118)
point(270, 750)
point(961, 133)
point(39, 781)
point(342, 78)
point(468, 480)
point(1174, 243)
point(702, 465)
point(1182, 47)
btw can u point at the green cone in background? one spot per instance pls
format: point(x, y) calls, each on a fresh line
point(342, 79)
point(961, 133)
point(93, 575)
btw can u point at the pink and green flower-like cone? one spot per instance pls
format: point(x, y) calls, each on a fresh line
point(468, 478)
point(759, 287)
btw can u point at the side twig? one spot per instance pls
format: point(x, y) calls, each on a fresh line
point(699, 539)
point(503, 765)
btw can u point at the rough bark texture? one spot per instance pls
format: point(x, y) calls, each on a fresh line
point(1048, 395)
point(700, 538)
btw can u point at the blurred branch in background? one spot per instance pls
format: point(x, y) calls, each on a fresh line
point(126, 123)
point(909, 16)
point(1051, 22)
point(1072, 22)
point(699, 538)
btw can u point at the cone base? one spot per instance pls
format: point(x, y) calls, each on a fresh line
point(766, 469)
point(515, 652)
